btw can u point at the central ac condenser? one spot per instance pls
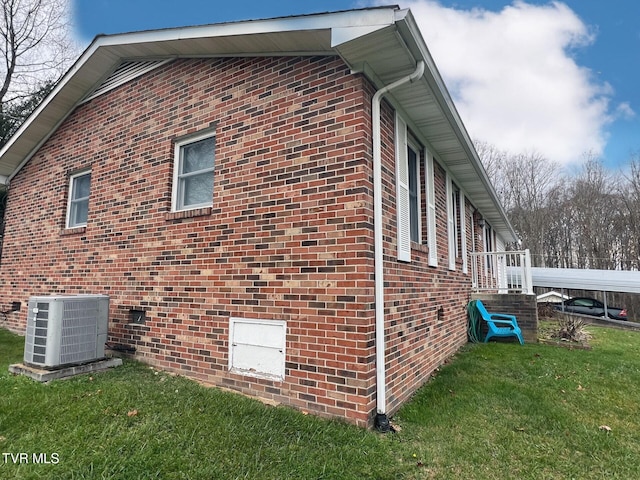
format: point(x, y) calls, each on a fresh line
point(66, 330)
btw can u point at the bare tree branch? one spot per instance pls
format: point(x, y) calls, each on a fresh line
point(35, 46)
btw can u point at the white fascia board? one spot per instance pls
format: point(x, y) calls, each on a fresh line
point(369, 18)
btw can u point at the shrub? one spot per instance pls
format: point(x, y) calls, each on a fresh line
point(572, 329)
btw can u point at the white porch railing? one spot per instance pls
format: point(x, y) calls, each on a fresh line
point(502, 272)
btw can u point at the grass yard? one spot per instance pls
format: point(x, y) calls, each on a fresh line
point(496, 411)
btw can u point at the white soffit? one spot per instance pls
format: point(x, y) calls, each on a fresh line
point(341, 35)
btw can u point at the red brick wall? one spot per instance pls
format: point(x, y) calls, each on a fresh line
point(425, 306)
point(289, 235)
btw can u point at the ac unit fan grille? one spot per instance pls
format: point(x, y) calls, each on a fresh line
point(79, 329)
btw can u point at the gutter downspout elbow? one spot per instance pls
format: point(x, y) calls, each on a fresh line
point(382, 422)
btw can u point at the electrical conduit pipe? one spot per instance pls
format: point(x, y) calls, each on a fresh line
point(382, 422)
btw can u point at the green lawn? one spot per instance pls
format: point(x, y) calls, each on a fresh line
point(497, 411)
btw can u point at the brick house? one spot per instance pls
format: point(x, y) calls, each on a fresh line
point(281, 207)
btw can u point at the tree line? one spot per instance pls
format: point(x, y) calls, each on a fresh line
point(587, 216)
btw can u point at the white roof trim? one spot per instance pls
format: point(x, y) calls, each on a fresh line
point(552, 294)
point(377, 16)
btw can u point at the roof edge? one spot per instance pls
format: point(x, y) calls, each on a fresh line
point(357, 18)
point(409, 27)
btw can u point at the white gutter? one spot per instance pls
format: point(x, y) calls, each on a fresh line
point(381, 383)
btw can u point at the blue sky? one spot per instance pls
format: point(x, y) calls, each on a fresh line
point(555, 78)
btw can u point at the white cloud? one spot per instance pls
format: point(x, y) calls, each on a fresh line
point(513, 79)
point(625, 111)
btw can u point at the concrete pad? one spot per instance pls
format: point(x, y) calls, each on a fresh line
point(42, 375)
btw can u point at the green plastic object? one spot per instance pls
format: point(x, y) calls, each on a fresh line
point(473, 327)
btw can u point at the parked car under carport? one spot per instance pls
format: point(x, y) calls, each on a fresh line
point(592, 307)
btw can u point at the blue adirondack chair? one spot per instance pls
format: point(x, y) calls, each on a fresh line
point(500, 324)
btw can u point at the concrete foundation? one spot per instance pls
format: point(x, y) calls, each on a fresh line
point(41, 375)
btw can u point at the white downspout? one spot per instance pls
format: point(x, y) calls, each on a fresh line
point(382, 422)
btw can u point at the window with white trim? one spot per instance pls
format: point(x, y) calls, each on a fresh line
point(193, 172)
point(408, 201)
point(413, 163)
point(488, 246)
point(409, 190)
point(488, 237)
point(78, 204)
point(456, 221)
point(430, 193)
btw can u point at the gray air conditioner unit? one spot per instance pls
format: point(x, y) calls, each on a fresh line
point(66, 330)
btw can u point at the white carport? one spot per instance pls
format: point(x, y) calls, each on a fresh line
point(587, 279)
